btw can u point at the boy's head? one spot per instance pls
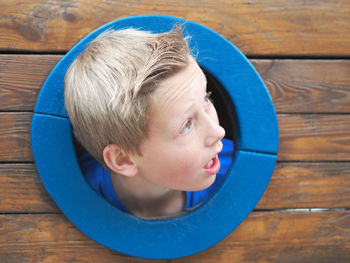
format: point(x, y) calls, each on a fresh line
point(109, 87)
point(138, 103)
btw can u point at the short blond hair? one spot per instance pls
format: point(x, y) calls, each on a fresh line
point(109, 87)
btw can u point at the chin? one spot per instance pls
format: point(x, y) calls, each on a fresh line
point(209, 182)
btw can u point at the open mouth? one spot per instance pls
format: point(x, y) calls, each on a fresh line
point(213, 166)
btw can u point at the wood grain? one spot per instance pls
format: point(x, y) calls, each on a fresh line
point(263, 236)
point(256, 27)
point(22, 191)
point(314, 137)
point(293, 185)
point(307, 86)
point(21, 78)
point(308, 185)
point(15, 145)
point(297, 86)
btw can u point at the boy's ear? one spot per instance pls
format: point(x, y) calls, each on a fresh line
point(119, 161)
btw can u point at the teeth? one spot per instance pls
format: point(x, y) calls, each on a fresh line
point(209, 164)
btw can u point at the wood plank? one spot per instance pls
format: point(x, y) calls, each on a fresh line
point(307, 86)
point(298, 86)
point(15, 145)
point(306, 137)
point(293, 185)
point(256, 27)
point(314, 137)
point(22, 191)
point(262, 237)
point(308, 185)
point(21, 78)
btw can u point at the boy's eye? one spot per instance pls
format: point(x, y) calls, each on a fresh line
point(187, 127)
point(207, 99)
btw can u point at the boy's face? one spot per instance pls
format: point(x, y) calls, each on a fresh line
point(184, 134)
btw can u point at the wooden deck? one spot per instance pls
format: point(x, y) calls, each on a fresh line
point(302, 51)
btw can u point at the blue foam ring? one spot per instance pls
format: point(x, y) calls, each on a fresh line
point(247, 179)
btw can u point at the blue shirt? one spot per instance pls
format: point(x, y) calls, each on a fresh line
point(99, 178)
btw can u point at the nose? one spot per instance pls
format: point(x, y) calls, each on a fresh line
point(215, 133)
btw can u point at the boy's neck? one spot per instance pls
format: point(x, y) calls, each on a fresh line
point(146, 200)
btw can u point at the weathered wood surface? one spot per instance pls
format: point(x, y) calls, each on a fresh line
point(288, 27)
point(311, 94)
point(22, 191)
point(308, 184)
point(263, 237)
point(21, 78)
point(307, 86)
point(313, 137)
point(15, 145)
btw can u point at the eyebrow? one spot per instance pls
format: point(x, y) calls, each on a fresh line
point(189, 108)
point(192, 104)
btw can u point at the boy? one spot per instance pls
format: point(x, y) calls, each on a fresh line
point(138, 104)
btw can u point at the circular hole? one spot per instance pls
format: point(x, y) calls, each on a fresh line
point(226, 115)
point(223, 106)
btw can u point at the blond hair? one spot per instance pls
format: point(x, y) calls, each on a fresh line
point(108, 88)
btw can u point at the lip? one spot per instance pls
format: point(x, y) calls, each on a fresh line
point(214, 168)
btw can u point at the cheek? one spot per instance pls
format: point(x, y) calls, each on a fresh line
point(185, 164)
point(189, 161)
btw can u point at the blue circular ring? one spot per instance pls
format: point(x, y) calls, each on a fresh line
point(257, 143)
